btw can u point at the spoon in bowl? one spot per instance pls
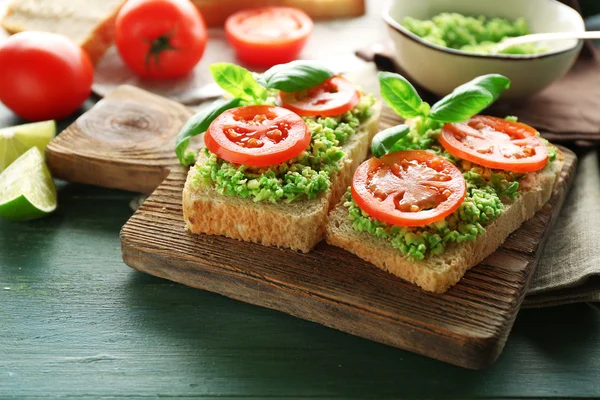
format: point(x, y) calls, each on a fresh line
point(542, 37)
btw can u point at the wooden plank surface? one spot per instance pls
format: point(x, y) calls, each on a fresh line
point(125, 142)
point(467, 326)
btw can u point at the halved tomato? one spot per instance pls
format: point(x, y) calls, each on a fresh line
point(495, 143)
point(408, 188)
point(334, 96)
point(257, 135)
point(267, 36)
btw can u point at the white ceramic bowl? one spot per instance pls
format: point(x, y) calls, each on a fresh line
point(440, 69)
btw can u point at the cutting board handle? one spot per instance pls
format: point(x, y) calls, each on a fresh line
point(126, 141)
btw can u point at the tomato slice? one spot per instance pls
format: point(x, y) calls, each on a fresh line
point(495, 143)
point(408, 188)
point(267, 36)
point(257, 135)
point(334, 96)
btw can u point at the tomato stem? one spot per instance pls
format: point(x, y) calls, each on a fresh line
point(157, 46)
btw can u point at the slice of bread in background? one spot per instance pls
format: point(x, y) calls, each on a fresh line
point(438, 273)
point(89, 23)
point(298, 225)
point(215, 12)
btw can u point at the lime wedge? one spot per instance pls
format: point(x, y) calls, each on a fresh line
point(26, 188)
point(16, 140)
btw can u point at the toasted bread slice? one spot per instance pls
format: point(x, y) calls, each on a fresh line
point(438, 273)
point(298, 225)
point(89, 23)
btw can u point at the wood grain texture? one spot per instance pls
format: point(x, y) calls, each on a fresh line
point(467, 326)
point(124, 142)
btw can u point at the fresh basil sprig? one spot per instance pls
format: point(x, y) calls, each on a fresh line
point(239, 82)
point(460, 105)
point(252, 88)
point(383, 143)
point(199, 124)
point(469, 99)
point(401, 96)
point(248, 88)
point(296, 76)
point(464, 101)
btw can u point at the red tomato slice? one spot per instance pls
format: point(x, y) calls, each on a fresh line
point(257, 135)
point(408, 188)
point(335, 96)
point(495, 143)
point(267, 36)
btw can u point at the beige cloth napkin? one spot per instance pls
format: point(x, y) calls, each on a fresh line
point(568, 109)
point(569, 270)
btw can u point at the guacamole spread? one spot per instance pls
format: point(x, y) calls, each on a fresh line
point(471, 34)
point(306, 176)
point(487, 192)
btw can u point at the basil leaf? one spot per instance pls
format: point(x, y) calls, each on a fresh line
point(383, 143)
point(296, 76)
point(401, 96)
point(493, 83)
point(238, 82)
point(199, 123)
point(469, 99)
point(259, 78)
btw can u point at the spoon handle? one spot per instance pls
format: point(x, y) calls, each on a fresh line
point(539, 37)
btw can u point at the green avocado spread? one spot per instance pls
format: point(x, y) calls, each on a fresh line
point(488, 191)
point(471, 34)
point(305, 176)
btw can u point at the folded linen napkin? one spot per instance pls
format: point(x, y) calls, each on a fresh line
point(569, 270)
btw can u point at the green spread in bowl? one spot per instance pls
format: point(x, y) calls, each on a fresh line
point(472, 34)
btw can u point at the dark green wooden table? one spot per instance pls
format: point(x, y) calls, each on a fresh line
point(75, 322)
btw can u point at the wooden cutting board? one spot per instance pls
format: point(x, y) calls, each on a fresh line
point(126, 141)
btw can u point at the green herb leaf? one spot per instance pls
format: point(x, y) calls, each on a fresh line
point(296, 76)
point(383, 143)
point(469, 99)
point(238, 82)
point(260, 79)
point(401, 96)
point(198, 124)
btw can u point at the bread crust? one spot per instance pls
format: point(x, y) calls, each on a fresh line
point(21, 16)
point(298, 225)
point(101, 36)
point(438, 273)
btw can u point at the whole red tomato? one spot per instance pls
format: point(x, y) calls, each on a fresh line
point(43, 75)
point(160, 39)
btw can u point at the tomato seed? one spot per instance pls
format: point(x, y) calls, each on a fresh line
point(252, 143)
point(259, 119)
point(275, 134)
